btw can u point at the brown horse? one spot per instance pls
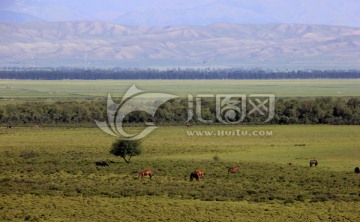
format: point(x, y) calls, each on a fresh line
point(197, 174)
point(233, 169)
point(313, 162)
point(145, 173)
point(357, 170)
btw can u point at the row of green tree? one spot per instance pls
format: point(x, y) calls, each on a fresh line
point(174, 74)
point(322, 110)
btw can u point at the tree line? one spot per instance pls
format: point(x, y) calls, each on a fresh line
point(130, 74)
point(321, 110)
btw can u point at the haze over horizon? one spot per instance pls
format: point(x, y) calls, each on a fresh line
point(184, 12)
point(297, 34)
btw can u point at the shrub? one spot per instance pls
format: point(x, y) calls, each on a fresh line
point(126, 149)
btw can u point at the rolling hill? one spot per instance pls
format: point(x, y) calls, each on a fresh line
point(217, 44)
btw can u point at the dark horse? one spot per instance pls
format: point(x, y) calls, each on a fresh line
point(313, 162)
point(357, 170)
point(233, 169)
point(9, 127)
point(101, 163)
point(197, 174)
point(145, 173)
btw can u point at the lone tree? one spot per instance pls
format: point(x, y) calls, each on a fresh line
point(126, 149)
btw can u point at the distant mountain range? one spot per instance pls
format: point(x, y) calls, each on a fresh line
point(218, 45)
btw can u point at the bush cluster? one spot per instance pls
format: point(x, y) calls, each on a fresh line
point(321, 110)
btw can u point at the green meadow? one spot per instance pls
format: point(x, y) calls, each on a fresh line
point(49, 174)
point(32, 89)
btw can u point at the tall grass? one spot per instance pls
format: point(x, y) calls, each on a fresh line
point(50, 174)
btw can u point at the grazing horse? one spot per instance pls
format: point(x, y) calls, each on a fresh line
point(145, 173)
point(101, 163)
point(9, 127)
point(201, 173)
point(313, 162)
point(357, 170)
point(188, 125)
point(233, 169)
point(197, 174)
point(193, 175)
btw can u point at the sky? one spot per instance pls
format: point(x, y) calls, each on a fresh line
point(188, 12)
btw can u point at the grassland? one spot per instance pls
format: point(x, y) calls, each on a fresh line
point(49, 174)
point(32, 89)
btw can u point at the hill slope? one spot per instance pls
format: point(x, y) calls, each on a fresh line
point(218, 43)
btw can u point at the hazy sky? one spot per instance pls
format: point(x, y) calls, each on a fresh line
point(196, 12)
